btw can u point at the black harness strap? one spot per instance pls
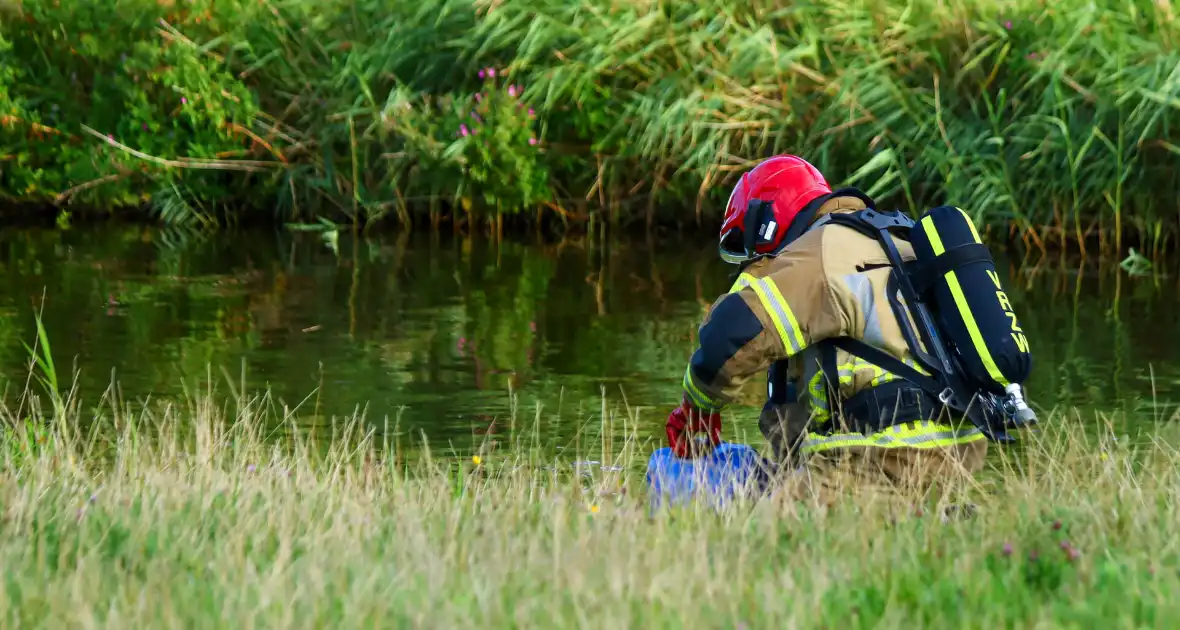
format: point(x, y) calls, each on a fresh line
point(889, 363)
point(780, 391)
point(862, 411)
point(923, 276)
point(897, 402)
point(831, 374)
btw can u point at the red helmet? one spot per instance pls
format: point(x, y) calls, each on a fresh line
point(774, 191)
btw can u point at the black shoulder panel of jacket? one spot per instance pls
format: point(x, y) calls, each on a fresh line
point(731, 326)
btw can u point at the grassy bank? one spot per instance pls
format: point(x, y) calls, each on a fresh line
point(198, 516)
point(1054, 116)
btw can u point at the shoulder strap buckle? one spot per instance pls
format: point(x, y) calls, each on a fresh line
point(946, 396)
point(886, 220)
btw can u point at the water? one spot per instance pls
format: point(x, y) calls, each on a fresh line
point(431, 333)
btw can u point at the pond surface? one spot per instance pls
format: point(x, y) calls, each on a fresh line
point(443, 336)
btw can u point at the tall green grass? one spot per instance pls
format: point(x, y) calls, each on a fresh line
point(1050, 120)
point(200, 515)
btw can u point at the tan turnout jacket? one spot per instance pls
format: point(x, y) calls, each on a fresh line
point(830, 282)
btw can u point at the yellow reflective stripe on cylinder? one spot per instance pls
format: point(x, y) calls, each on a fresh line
point(952, 281)
point(926, 436)
point(742, 282)
point(970, 224)
point(698, 397)
point(780, 313)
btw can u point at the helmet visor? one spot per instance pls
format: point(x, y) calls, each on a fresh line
point(732, 248)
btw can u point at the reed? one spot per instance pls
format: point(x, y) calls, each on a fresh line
point(1047, 121)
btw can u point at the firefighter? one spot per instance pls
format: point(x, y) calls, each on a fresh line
point(802, 283)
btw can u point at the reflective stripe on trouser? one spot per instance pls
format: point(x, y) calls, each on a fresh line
point(909, 435)
point(818, 394)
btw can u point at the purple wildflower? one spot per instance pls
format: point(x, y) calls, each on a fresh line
point(532, 141)
point(1007, 549)
point(479, 97)
point(463, 130)
point(492, 72)
point(1070, 551)
point(184, 100)
point(483, 73)
point(476, 117)
point(1008, 25)
point(251, 468)
point(512, 91)
point(531, 113)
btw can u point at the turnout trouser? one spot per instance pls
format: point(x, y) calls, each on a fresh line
point(827, 475)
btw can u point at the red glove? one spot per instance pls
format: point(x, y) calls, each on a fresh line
point(685, 422)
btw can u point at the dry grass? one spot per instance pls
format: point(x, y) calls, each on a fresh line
point(204, 516)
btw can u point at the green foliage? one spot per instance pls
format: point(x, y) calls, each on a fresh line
point(42, 358)
point(496, 149)
point(121, 70)
point(1059, 116)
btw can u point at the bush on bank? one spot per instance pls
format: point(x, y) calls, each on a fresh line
point(1056, 115)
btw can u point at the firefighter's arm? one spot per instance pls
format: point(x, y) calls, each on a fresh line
point(776, 317)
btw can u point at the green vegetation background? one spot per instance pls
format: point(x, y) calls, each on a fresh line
point(1048, 119)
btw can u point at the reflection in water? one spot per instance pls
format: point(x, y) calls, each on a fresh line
point(436, 332)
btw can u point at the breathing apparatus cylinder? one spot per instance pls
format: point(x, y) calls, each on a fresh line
point(957, 274)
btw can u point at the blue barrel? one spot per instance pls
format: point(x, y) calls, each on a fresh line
point(727, 470)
